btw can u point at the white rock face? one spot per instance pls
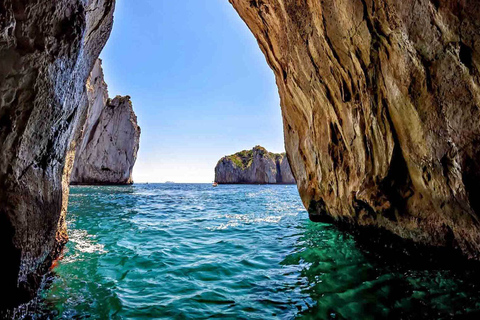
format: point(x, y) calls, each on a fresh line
point(256, 166)
point(284, 173)
point(108, 146)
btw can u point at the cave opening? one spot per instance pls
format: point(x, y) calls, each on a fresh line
point(201, 89)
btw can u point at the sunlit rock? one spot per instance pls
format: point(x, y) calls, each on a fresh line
point(256, 166)
point(380, 104)
point(107, 149)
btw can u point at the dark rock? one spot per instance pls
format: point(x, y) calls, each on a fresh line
point(47, 51)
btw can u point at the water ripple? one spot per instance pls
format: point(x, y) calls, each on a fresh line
point(232, 252)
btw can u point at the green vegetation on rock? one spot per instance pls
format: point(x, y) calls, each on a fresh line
point(256, 166)
point(244, 159)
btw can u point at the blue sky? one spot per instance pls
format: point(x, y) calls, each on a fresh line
point(200, 86)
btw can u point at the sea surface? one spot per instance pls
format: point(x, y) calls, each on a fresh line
point(191, 251)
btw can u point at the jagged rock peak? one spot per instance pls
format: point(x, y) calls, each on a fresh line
point(108, 146)
point(256, 166)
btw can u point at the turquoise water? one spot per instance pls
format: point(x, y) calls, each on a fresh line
point(190, 251)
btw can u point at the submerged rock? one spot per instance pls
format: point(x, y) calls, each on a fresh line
point(256, 166)
point(380, 102)
point(107, 149)
point(47, 51)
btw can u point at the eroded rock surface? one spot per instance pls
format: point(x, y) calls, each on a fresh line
point(107, 149)
point(381, 109)
point(47, 51)
point(256, 166)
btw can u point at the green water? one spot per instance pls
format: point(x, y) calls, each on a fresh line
point(190, 251)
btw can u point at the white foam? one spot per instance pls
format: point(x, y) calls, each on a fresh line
point(244, 219)
point(84, 242)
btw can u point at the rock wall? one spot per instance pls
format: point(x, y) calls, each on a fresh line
point(107, 149)
point(256, 166)
point(381, 108)
point(47, 51)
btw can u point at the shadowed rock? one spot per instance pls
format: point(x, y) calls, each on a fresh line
point(47, 51)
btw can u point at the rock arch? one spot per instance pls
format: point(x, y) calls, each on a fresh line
point(380, 101)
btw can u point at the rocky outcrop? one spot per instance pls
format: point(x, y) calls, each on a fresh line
point(380, 101)
point(256, 166)
point(47, 51)
point(108, 146)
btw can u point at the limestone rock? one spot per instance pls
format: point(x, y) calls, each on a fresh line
point(380, 101)
point(107, 150)
point(47, 51)
point(256, 166)
point(284, 173)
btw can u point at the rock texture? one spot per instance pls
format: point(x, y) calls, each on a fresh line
point(381, 108)
point(47, 51)
point(108, 146)
point(256, 166)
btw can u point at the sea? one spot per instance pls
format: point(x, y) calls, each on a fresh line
point(192, 251)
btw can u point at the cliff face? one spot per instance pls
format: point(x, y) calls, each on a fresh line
point(256, 166)
point(47, 51)
point(107, 149)
point(380, 101)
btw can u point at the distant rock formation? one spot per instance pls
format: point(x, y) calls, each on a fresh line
point(256, 166)
point(107, 150)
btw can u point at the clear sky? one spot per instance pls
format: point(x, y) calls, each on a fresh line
point(200, 86)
